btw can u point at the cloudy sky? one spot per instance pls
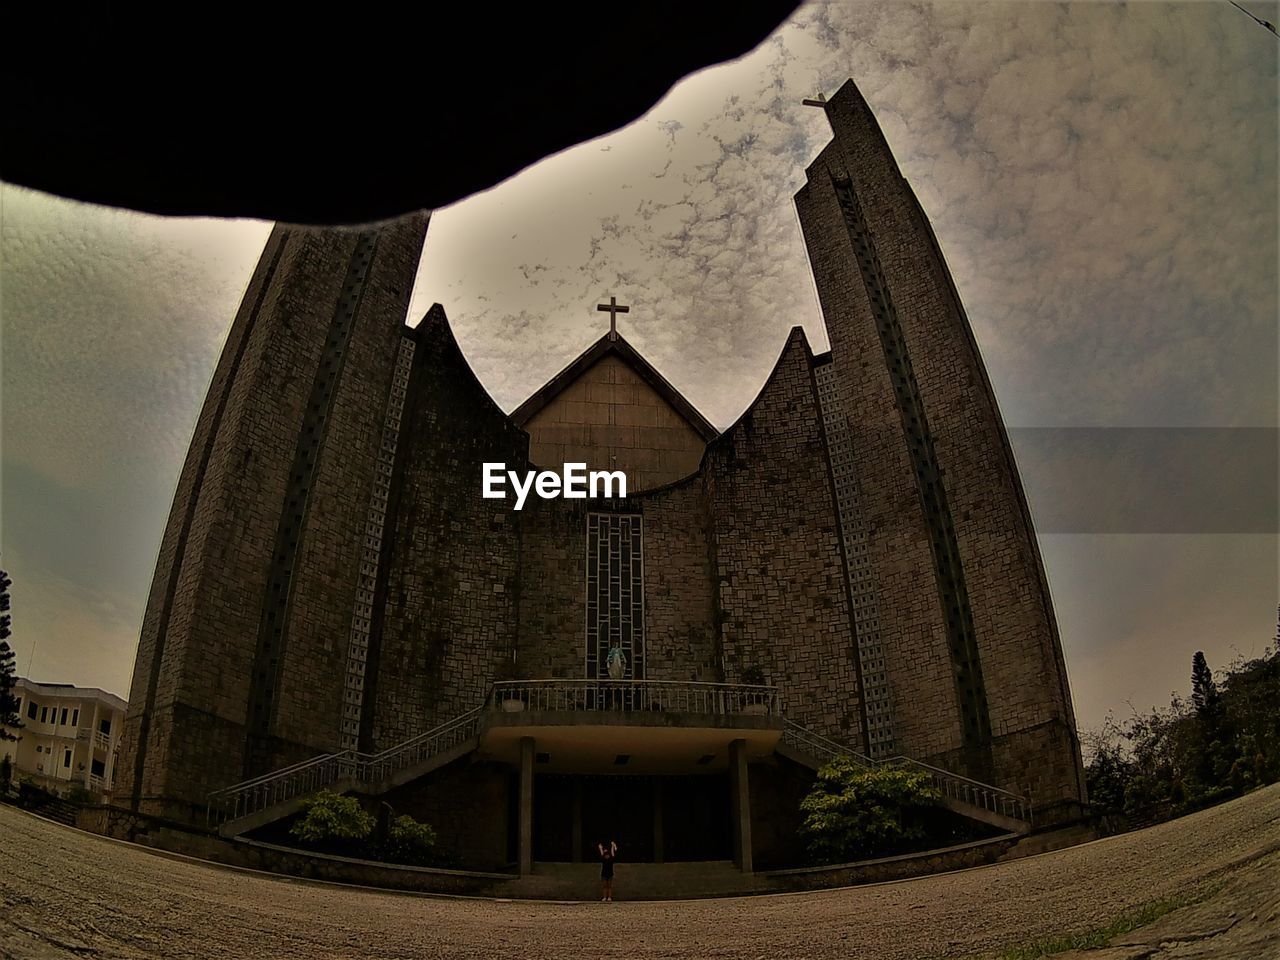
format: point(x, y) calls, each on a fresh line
point(1102, 180)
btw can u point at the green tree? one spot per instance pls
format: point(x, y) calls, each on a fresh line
point(9, 716)
point(409, 841)
point(853, 813)
point(1204, 692)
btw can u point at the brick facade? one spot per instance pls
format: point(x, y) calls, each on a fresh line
point(201, 669)
point(783, 597)
point(1029, 743)
point(859, 534)
point(445, 618)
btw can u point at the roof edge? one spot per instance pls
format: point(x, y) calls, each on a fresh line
point(618, 345)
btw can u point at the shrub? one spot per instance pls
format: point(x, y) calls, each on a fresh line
point(409, 842)
point(329, 817)
point(855, 814)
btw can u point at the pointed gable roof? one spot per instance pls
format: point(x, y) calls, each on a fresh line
point(618, 346)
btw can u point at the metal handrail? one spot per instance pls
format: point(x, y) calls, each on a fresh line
point(953, 785)
point(317, 773)
point(968, 790)
point(802, 737)
point(718, 699)
point(680, 696)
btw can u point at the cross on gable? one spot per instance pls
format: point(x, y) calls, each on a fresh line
point(613, 310)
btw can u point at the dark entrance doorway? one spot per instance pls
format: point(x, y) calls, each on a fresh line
point(692, 824)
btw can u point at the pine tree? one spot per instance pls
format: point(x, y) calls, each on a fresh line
point(8, 702)
point(1204, 692)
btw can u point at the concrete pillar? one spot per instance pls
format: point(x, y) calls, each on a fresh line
point(577, 820)
point(657, 820)
point(526, 806)
point(93, 735)
point(740, 805)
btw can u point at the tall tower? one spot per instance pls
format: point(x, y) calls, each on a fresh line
point(951, 604)
point(252, 620)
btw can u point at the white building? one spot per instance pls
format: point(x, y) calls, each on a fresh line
point(70, 735)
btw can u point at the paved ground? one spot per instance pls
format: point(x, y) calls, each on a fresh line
point(64, 893)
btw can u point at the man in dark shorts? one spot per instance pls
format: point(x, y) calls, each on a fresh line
point(608, 850)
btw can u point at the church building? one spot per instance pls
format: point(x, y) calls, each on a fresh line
point(848, 569)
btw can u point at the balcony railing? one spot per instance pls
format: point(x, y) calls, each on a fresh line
point(658, 696)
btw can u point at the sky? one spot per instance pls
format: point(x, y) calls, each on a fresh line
point(1103, 183)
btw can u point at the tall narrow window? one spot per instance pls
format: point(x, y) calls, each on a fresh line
point(615, 593)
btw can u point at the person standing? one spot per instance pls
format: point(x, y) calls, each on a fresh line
point(608, 853)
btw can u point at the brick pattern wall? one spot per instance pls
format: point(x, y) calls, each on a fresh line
point(138, 777)
point(468, 805)
point(682, 642)
point(212, 632)
point(864, 592)
point(975, 725)
point(308, 707)
point(1015, 634)
point(912, 629)
point(680, 637)
point(783, 602)
point(448, 607)
point(197, 725)
point(553, 571)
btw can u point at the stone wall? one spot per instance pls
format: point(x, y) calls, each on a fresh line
point(146, 738)
point(212, 682)
point(783, 601)
point(959, 857)
point(912, 629)
point(469, 805)
point(1022, 675)
point(777, 787)
point(169, 837)
point(309, 696)
point(448, 600)
point(680, 586)
point(552, 606)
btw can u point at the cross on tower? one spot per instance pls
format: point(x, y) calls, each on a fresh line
point(613, 310)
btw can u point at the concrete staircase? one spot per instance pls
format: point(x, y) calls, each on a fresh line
point(254, 803)
point(634, 881)
point(57, 809)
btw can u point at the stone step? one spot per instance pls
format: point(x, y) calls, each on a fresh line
point(634, 881)
point(60, 811)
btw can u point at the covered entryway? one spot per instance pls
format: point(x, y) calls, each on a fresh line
point(653, 819)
